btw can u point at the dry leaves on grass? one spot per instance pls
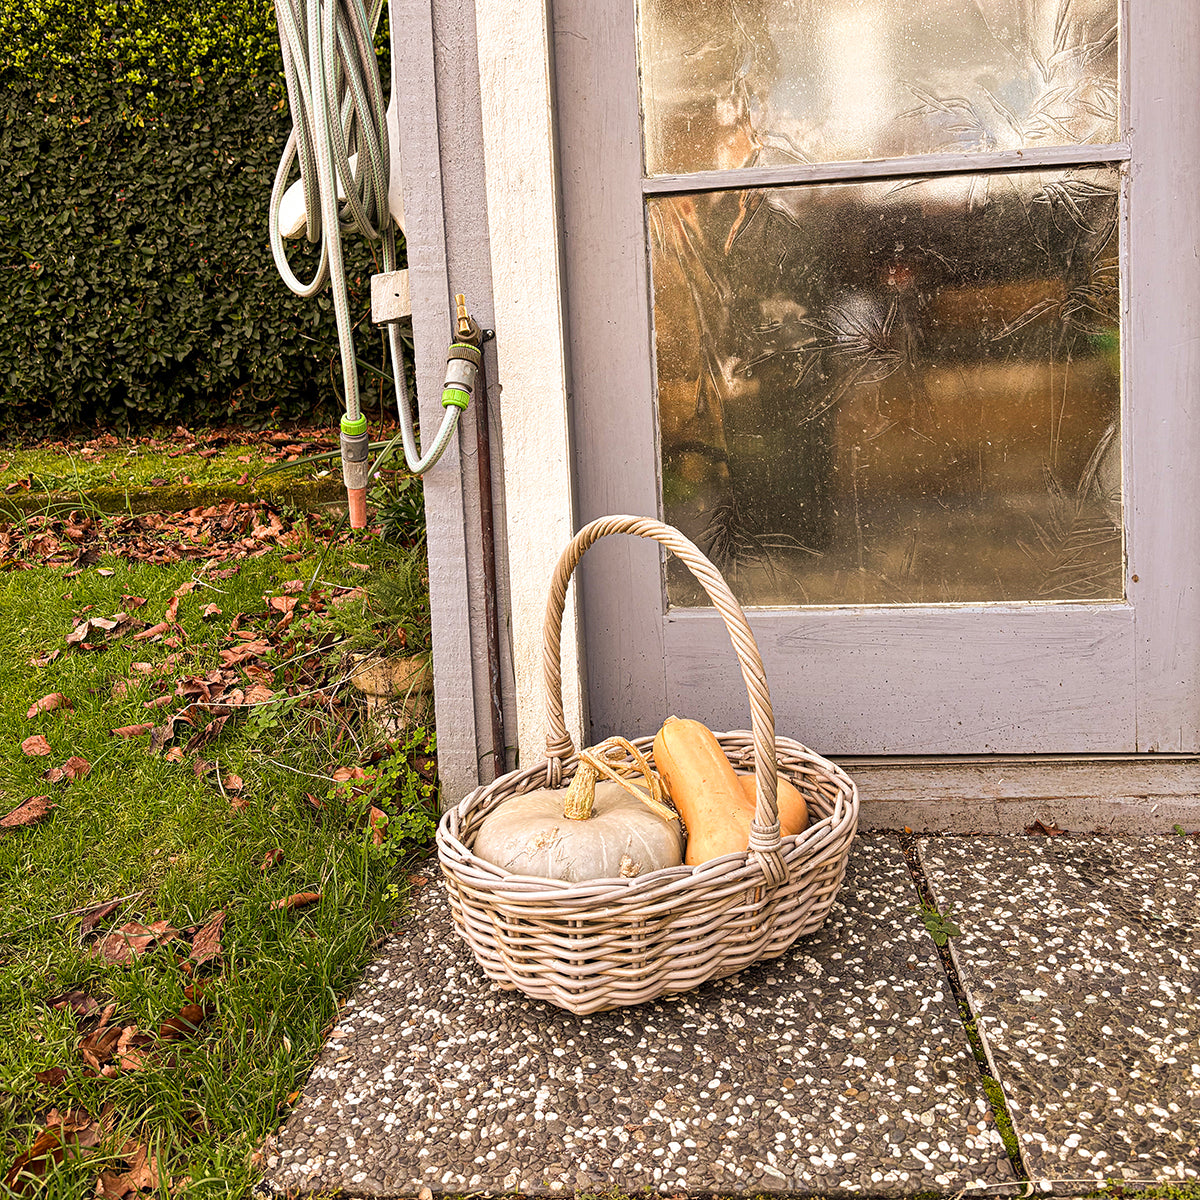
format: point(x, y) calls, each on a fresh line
point(74, 768)
point(297, 900)
point(35, 745)
point(47, 704)
point(131, 731)
point(141, 1174)
point(206, 945)
point(215, 533)
point(33, 809)
point(378, 820)
point(70, 1135)
point(99, 912)
point(79, 1002)
point(133, 938)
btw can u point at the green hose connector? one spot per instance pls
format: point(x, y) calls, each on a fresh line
point(453, 396)
point(354, 428)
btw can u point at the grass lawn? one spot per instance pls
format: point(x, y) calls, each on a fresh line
point(153, 1061)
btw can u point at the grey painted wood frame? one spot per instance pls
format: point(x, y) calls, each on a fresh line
point(435, 76)
point(950, 680)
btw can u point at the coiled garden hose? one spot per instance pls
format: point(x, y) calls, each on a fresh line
point(339, 136)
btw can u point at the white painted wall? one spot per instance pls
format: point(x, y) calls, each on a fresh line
point(523, 220)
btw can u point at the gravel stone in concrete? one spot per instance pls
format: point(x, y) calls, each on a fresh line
point(1081, 956)
point(842, 1066)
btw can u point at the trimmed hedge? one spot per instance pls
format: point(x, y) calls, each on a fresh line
point(137, 287)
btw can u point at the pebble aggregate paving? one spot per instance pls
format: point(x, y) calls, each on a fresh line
point(1080, 956)
point(841, 1066)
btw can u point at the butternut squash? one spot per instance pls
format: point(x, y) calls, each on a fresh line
point(715, 803)
point(793, 808)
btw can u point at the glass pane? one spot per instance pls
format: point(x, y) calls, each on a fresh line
point(761, 82)
point(894, 393)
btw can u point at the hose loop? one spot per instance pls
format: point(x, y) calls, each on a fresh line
point(339, 114)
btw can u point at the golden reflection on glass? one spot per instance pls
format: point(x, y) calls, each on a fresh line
point(766, 82)
point(894, 392)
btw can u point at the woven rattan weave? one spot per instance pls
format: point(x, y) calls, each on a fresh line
point(587, 947)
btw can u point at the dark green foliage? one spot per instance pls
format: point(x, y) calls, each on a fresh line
point(136, 283)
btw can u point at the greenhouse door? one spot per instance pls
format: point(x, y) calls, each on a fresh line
point(891, 306)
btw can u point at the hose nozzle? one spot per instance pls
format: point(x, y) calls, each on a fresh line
point(356, 468)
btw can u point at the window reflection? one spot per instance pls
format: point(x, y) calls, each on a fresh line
point(893, 392)
point(758, 82)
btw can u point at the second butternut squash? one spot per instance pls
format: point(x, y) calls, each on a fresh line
point(716, 804)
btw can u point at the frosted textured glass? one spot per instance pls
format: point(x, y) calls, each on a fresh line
point(891, 393)
point(767, 82)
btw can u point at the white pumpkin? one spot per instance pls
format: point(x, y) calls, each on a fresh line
point(573, 835)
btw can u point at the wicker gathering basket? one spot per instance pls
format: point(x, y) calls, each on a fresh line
point(605, 943)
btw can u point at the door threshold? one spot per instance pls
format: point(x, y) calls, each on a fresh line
point(1004, 794)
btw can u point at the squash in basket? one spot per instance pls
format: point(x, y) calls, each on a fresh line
point(789, 800)
point(715, 803)
point(588, 830)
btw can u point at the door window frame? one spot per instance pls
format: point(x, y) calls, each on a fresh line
point(641, 656)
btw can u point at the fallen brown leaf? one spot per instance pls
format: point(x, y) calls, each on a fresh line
point(1041, 829)
point(355, 593)
point(96, 914)
point(79, 1002)
point(129, 1047)
point(27, 812)
point(51, 1077)
point(206, 945)
point(35, 745)
point(157, 702)
point(47, 704)
point(210, 611)
point(378, 820)
point(175, 754)
point(239, 654)
point(185, 1024)
point(257, 694)
point(233, 783)
point(201, 767)
point(76, 767)
point(128, 731)
point(30, 1167)
point(298, 900)
point(270, 859)
point(142, 1175)
point(154, 631)
point(133, 938)
point(97, 1045)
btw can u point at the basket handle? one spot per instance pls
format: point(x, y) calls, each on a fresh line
point(764, 829)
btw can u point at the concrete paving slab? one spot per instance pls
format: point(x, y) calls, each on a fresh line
point(1080, 956)
point(842, 1066)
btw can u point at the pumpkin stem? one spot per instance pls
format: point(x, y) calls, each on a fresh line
point(581, 794)
point(605, 759)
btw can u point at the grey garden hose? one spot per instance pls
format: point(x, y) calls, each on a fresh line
point(339, 136)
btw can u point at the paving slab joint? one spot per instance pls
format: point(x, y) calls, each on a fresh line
point(941, 928)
